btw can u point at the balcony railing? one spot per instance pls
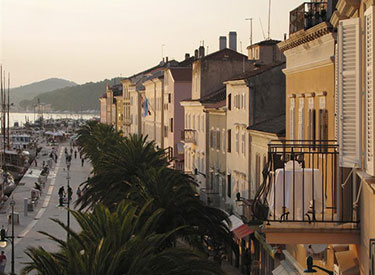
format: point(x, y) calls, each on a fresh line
point(189, 136)
point(307, 15)
point(302, 182)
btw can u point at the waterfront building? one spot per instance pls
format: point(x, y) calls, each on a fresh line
point(177, 86)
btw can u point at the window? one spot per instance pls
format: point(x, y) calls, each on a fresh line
point(229, 181)
point(171, 125)
point(214, 139)
point(223, 139)
point(230, 102)
point(301, 119)
point(229, 140)
point(257, 172)
point(131, 100)
point(202, 126)
point(169, 98)
point(193, 124)
point(312, 121)
point(243, 144)
point(291, 118)
point(237, 141)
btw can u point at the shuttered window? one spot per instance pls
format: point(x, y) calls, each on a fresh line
point(301, 119)
point(349, 88)
point(291, 118)
point(229, 141)
point(230, 102)
point(369, 48)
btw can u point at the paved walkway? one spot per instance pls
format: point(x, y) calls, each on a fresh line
point(26, 231)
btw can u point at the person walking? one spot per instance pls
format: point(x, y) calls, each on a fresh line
point(61, 195)
point(3, 261)
point(82, 161)
point(75, 154)
point(35, 162)
point(79, 192)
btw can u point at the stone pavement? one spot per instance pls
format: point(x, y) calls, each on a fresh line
point(26, 232)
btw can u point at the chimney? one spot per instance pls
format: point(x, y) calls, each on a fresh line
point(187, 56)
point(284, 36)
point(166, 59)
point(222, 42)
point(201, 51)
point(233, 41)
point(196, 54)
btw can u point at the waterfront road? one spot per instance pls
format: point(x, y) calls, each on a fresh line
point(26, 232)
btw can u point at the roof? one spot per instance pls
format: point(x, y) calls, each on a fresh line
point(224, 53)
point(256, 70)
point(274, 125)
point(116, 89)
point(267, 42)
point(181, 74)
point(103, 95)
point(214, 97)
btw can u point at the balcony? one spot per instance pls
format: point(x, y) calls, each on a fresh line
point(305, 191)
point(307, 15)
point(188, 136)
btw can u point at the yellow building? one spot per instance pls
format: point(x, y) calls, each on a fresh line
point(119, 113)
point(310, 192)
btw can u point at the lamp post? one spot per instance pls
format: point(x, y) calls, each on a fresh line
point(310, 265)
point(69, 197)
point(3, 237)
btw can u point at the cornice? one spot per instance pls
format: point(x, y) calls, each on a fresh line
point(304, 36)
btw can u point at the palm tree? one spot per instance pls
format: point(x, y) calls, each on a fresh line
point(123, 241)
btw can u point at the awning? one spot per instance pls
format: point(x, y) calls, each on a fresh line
point(347, 262)
point(285, 268)
point(242, 231)
point(236, 222)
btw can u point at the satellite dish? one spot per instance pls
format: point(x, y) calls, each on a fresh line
point(315, 248)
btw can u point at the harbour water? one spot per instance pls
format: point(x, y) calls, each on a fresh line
point(22, 118)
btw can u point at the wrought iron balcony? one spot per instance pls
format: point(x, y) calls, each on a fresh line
point(189, 136)
point(302, 182)
point(307, 15)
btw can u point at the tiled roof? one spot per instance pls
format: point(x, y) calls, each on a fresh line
point(181, 74)
point(224, 53)
point(274, 125)
point(216, 96)
point(257, 70)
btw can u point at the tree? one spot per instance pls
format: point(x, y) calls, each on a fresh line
point(123, 241)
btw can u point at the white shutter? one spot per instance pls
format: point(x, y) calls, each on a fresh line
point(369, 48)
point(301, 119)
point(336, 93)
point(349, 48)
point(291, 118)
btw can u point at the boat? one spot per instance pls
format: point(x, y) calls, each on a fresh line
point(24, 142)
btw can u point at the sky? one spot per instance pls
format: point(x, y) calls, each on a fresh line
point(92, 40)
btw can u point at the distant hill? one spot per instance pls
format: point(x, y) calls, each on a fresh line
point(78, 98)
point(29, 91)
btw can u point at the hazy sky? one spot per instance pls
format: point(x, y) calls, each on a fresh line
point(90, 40)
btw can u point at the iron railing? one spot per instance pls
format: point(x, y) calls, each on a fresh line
point(302, 182)
point(307, 15)
point(188, 135)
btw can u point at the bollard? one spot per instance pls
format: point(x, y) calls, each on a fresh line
point(25, 202)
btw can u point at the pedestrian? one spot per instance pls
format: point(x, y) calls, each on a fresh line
point(44, 163)
point(79, 192)
point(71, 150)
point(75, 154)
point(61, 195)
point(66, 151)
point(70, 193)
point(82, 161)
point(35, 162)
point(3, 261)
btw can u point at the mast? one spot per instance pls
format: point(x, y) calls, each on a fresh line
point(1, 94)
point(4, 115)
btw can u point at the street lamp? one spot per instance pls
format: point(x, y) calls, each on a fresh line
point(3, 237)
point(310, 265)
point(69, 197)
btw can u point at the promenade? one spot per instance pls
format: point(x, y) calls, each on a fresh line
point(26, 232)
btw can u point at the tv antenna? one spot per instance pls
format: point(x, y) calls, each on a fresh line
point(251, 30)
point(269, 19)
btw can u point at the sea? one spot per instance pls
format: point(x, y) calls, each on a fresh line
point(22, 118)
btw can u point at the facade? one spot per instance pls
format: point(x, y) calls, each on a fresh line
point(153, 115)
point(265, 52)
point(119, 125)
point(177, 86)
point(103, 108)
point(208, 74)
point(254, 97)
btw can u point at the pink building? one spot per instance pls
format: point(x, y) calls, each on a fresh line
point(177, 87)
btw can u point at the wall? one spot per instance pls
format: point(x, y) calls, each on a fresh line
point(103, 110)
